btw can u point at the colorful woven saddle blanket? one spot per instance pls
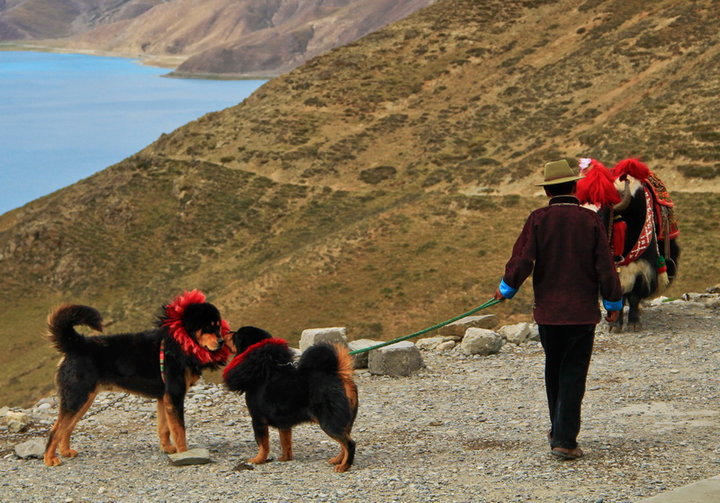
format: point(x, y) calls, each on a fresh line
point(663, 207)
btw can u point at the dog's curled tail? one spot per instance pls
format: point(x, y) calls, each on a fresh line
point(61, 325)
point(332, 359)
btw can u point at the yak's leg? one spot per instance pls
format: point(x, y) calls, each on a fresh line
point(634, 323)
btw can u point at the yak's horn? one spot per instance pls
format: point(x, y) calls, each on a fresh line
point(627, 196)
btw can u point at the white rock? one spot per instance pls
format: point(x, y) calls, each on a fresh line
point(481, 341)
point(399, 359)
point(430, 343)
point(518, 333)
point(17, 421)
point(312, 336)
point(197, 456)
point(446, 346)
point(33, 448)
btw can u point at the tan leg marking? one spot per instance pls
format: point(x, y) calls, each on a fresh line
point(286, 445)
point(341, 460)
point(263, 449)
point(177, 430)
point(59, 437)
point(64, 444)
point(163, 429)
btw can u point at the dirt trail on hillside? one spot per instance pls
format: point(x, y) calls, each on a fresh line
point(463, 429)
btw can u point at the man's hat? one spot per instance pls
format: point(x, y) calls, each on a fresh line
point(559, 172)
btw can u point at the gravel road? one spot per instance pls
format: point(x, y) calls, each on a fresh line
point(464, 429)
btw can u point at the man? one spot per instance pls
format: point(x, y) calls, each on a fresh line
point(565, 248)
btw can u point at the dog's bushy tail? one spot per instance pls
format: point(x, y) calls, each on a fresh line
point(62, 322)
point(331, 359)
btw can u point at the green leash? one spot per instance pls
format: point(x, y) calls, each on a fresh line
point(489, 303)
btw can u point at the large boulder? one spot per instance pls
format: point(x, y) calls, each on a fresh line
point(481, 341)
point(399, 359)
point(310, 336)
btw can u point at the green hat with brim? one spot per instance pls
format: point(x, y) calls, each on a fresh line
point(559, 172)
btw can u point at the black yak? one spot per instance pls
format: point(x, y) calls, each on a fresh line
point(642, 228)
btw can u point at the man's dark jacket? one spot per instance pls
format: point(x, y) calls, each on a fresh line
point(566, 249)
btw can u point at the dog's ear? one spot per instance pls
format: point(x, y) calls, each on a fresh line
point(245, 337)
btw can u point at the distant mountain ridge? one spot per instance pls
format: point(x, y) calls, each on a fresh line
point(381, 185)
point(212, 37)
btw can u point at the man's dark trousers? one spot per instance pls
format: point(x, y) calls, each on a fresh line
point(568, 349)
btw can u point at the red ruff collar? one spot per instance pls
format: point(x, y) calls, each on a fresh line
point(173, 321)
point(241, 357)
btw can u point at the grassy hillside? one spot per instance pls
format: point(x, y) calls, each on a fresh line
point(381, 186)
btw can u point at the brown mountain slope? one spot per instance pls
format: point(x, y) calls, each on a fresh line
point(43, 19)
point(475, 104)
point(379, 186)
point(221, 37)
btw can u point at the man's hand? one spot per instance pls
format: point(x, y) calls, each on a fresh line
point(612, 316)
point(498, 295)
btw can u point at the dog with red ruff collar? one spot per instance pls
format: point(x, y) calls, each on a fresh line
point(161, 363)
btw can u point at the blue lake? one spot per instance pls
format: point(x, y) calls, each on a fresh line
point(64, 117)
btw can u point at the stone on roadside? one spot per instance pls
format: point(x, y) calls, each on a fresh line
point(33, 448)
point(460, 326)
point(446, 346)
point(430, 343)
point(17, 421)
point(399, 359)
point(518, 333)
point(481, 341)
point(310, 336)
point(196, 456)
point(361, 359)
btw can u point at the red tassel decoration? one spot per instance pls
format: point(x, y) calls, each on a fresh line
point(597, 187)
point(632, 167)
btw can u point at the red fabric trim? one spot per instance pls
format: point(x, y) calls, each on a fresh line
point(173, 321)
point(618, 237)
point(241, 357)
point(646, 234)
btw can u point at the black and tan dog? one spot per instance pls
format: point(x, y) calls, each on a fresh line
point(279, 394)
point(161, 363)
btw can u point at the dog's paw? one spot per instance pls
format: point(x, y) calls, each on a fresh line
point(52, 461)
point(69, 453)
point(258, 460)
point(336, 460)
point(169, 449)
point(342, 468)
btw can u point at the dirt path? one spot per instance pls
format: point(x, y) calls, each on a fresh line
point(463, 429)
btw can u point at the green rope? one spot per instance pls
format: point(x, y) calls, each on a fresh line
point(489, 303)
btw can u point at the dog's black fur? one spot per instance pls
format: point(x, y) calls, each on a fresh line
point(279, 394)
point(128, 362)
